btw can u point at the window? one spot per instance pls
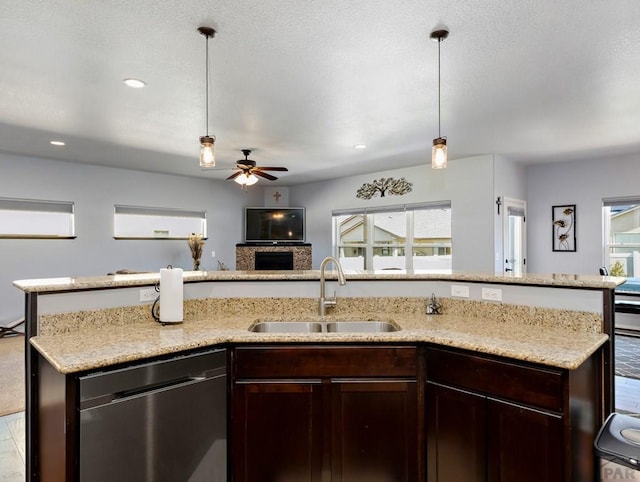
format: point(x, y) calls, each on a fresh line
point(621, 219)
point(410, 237)
point(135, 222)
point(30, 218)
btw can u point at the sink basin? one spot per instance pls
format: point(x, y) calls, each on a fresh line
point(286, 327)
point(360, 327)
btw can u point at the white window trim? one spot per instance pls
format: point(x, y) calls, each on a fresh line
point(32, 210)
point(369, 244)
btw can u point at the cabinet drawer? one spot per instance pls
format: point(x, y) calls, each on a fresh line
point(325, 361)
point(539, 387)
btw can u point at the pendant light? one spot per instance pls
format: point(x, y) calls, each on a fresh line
point(439, 150)
point(207, 142)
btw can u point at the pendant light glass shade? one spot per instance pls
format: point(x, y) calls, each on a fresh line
point(439, 153)
point(207, 151)
point(246, 179)
point(207, 142)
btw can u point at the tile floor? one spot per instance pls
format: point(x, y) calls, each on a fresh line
point(12, 468)
point(628, 356)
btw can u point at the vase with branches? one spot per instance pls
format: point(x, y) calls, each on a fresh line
point(195, 245)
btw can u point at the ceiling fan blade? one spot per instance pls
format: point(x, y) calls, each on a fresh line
point(265, 175)
point(233, 176)
point(271, 168)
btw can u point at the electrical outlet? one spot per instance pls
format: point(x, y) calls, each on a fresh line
point(213, 254)
point(148, 294)
point(460, 291)
point(492, 294)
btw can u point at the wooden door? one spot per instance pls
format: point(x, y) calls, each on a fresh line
point(374, 430)
point(456, 435)
point(524, 445)
point(277, 431)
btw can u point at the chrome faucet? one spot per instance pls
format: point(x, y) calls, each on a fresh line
point(324, 301)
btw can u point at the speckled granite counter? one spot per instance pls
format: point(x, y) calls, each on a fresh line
point(524, 333)
point(146, 279)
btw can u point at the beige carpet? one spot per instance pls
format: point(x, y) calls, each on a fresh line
point(11, 374)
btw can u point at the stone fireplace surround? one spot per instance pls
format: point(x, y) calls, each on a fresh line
point(246, 254)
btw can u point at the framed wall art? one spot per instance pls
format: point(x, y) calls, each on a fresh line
point(564, 227)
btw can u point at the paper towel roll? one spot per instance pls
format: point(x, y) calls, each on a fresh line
point(171, 295)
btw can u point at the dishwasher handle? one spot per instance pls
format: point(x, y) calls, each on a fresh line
point(127, 395)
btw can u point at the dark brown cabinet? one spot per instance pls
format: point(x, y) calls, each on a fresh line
point(476, 439)
point(318, 413)
point(457, 424)
point(374, 436)
point(524, 444)
point(496, 420)
point(277, 431)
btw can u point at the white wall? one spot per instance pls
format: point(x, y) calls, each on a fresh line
point(95, 190)
point(583, 183)
point(467, 183)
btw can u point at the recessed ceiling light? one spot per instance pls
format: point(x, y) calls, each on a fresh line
point(135, 83)
point(359, 146)
point(57, 143)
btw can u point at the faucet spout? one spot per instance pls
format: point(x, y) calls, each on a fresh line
point(324, 301)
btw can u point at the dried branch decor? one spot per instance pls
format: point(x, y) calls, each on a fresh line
point(384, 185)
point(195, 245)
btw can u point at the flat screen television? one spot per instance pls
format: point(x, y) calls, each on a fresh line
point(274, 225)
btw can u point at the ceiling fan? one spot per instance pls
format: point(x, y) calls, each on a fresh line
point(247, 171)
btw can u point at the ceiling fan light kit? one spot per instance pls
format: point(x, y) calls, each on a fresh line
point(439, 150)
point(248, 172)
point(247, 179)
point(207, 142)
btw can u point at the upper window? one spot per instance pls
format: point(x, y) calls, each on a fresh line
point(621, 218)
point(136, 222)
point(410, 237)
point(30, 218)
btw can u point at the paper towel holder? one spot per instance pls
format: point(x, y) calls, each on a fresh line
point(155, 307)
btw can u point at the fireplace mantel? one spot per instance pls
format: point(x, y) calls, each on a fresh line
point(246, 254)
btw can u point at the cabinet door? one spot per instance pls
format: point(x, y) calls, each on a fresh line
point(374, 431)
point(277, 431)
point(456, 428)
point(524, 445)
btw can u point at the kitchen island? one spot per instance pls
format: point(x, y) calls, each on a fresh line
point(545, 349)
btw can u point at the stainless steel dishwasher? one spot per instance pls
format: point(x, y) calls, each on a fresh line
point(163, 421)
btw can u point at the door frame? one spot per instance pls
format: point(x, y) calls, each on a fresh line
point(508, 202)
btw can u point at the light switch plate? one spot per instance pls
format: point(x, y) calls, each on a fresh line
point(460, 291)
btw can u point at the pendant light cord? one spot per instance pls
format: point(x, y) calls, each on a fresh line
point(207, 86)
point(439, 40)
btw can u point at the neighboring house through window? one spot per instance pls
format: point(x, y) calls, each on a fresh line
point(621, 219)
point(407, 237)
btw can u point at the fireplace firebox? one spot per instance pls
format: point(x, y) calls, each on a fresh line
point(274, 260)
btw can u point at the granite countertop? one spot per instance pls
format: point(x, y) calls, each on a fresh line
point(146, 279)
point(102, 347)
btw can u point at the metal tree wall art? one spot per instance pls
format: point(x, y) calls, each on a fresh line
point(384, 185)
point(564, 227)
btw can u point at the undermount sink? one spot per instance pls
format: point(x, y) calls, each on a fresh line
point(360, 327)
point(286, 327)
point(319, 327)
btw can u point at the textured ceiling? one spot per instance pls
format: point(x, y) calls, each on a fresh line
point(301, 82)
